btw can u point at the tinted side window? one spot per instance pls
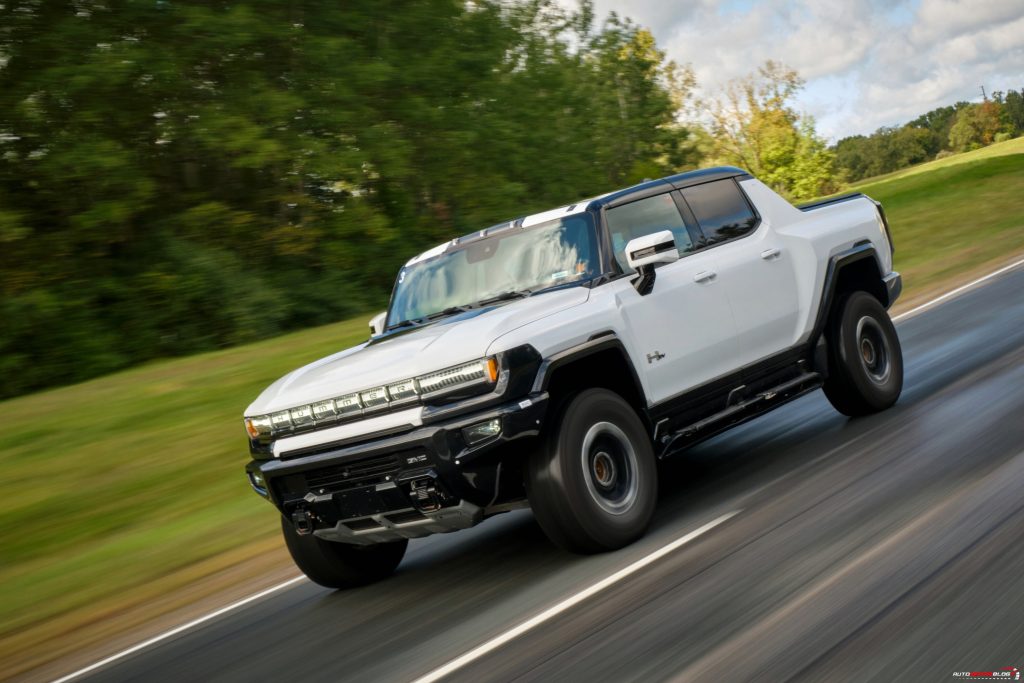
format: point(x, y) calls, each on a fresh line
point(721, 210)
point(643, 217)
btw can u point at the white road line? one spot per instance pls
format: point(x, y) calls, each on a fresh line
point(516, 631)
point(527, 625)
point(184, 627)
point(947, 295)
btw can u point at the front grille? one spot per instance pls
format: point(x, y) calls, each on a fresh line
point(350, 475)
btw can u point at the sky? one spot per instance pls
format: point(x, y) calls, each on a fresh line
point(867, 63)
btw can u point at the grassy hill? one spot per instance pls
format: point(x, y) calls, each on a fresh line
point(129, 488)
point(953, 215)
point(1006, 148)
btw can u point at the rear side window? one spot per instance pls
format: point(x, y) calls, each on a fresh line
point(644, 217)
point(721, 210)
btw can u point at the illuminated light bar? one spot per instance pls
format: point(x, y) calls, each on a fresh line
point(401, 392)
point(348, 405)
point(324, 411)
point(302, 418)
point(374, 398)
point(282, 421)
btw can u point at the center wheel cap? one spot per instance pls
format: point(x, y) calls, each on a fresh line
point(604, 470)
point(868, 351)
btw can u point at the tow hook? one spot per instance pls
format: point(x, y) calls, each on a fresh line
point(425, 495)
point(303, 522)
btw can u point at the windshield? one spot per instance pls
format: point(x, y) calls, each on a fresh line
point(514, 262)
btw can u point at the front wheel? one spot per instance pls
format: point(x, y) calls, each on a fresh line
point(865, 371)
point(593, 485)
point(341, 565)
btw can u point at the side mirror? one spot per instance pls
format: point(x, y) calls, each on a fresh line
point(644, 253)
point(377, 324)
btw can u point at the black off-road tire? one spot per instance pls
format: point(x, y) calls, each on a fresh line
point(865, 362)
point(593, 483)
point(341, 565)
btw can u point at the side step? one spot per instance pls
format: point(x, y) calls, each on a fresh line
point(739, 413)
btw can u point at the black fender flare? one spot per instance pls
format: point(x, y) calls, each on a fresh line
point(836, 263)
point(598, 343)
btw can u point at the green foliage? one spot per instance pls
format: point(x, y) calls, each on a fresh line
point(188, 175)
point(886, 150)
point(753, 125)
point(180, 176)
point(975, 126)
point(1013, 107)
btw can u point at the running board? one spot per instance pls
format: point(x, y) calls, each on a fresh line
point(739, 413)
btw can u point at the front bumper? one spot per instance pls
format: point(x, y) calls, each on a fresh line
point(427, 480)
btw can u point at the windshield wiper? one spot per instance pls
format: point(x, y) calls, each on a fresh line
point(454, 310)
point(416, 322)
point(505, 296)
point(451, 310)
point(406, 323)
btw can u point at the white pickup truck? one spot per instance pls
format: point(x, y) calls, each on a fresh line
point(552, 360)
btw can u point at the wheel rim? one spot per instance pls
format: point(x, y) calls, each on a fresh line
point(610, 467)
point(873, 350)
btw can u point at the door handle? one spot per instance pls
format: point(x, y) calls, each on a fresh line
point(704, 276)
point(769, 254)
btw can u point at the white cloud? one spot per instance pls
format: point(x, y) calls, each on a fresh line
point(867, 63)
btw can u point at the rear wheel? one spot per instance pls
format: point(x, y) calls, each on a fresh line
point(593, 485)
point(865, 373)
point(341, 565)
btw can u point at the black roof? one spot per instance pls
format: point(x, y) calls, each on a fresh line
point(676, 182)
point(629, 194)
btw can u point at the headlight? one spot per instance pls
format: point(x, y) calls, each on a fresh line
point(460, 376)
point(258, 427)
point(302, 418)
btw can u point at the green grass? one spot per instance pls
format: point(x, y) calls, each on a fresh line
point(956, 215)
point(1008, 147)
point(113, 484)
point(114, 489)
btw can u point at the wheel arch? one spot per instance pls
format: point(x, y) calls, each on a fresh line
point(857, 268)
point(603, 362)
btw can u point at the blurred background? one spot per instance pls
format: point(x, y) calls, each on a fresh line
point(197, 197)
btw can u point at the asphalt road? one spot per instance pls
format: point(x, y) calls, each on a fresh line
point(884, 548)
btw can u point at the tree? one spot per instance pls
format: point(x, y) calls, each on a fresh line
point(938, 121)
point(179, 176)
point(892, 148)
point(976, 126)
point(754, 125)
point(1013, 108)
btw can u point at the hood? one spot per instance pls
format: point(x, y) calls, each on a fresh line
point(457, 339)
